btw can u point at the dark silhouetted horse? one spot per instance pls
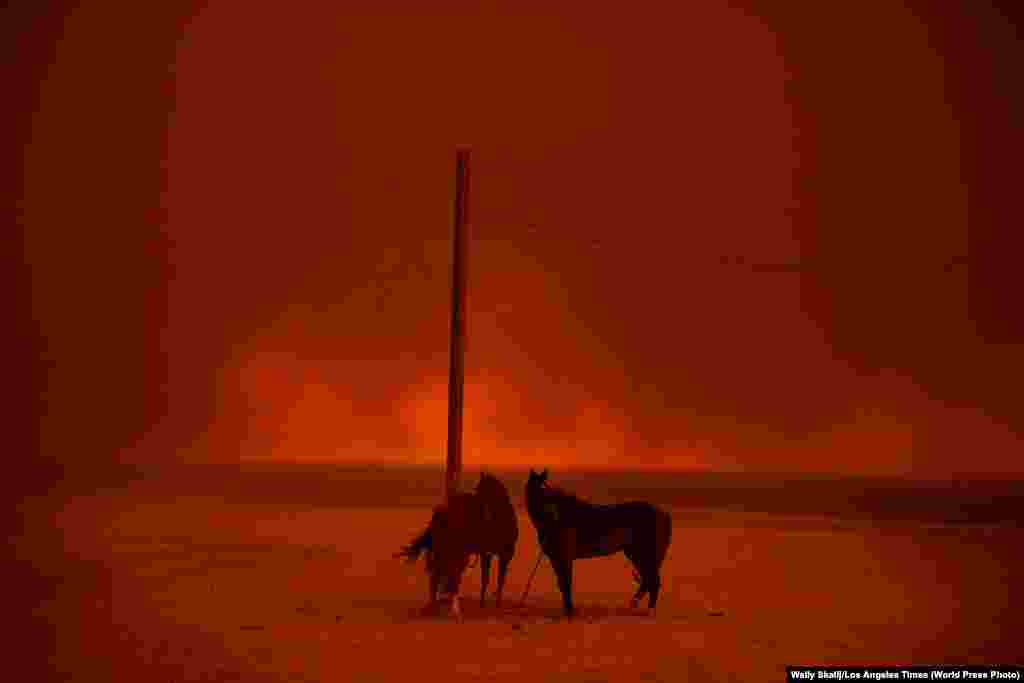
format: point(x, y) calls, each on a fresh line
point(569, 528)
point(480, 523)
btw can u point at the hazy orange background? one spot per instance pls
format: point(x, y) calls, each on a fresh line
point(237, 218)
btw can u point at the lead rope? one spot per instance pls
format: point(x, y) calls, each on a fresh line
point(522, 601)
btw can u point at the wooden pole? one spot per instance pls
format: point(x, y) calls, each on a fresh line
point(457, 342)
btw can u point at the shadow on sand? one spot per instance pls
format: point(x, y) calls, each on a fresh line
point(534, 611)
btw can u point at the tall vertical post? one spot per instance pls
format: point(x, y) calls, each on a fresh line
point(457, 343)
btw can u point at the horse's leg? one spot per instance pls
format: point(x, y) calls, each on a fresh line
point(634, 602)
point(563, 568)
point(503, 561)
point(663, 536)
point(456, 612)
point(641, 591)
point(485, 575)
point(650, 581)
point(452, 581)
point(434, 585)
point(655, 584)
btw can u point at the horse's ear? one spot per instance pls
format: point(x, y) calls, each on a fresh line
point(544, 474)
point(532, 473)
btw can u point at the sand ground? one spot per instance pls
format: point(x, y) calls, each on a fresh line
point(200, 589)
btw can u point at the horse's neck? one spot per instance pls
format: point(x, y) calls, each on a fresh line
point(564, 493)
point(565, 498)
point(535, 508)
point(572, 505)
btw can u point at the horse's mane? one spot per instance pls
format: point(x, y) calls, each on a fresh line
point(559, 492)
point(562, 497)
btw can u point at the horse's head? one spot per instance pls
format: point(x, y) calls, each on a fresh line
point(450, 529)
point(541, 503)
point(448, 574)
point(537, 479)
point(535, 487)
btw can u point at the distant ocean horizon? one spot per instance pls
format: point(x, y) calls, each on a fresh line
point(979, 499)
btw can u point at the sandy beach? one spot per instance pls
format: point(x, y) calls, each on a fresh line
point(147, 587)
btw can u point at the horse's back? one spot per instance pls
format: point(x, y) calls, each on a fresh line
point(638, 521)
point(500, 514)
point(501, 528)
point(652, 514)
point(631, 512)
point(470, 522)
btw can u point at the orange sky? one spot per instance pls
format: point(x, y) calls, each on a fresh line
point(237, 222)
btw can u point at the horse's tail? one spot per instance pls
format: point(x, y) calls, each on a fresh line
point(423, 542)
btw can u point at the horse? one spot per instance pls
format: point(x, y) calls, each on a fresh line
point(481, 523)
point(569, 528)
